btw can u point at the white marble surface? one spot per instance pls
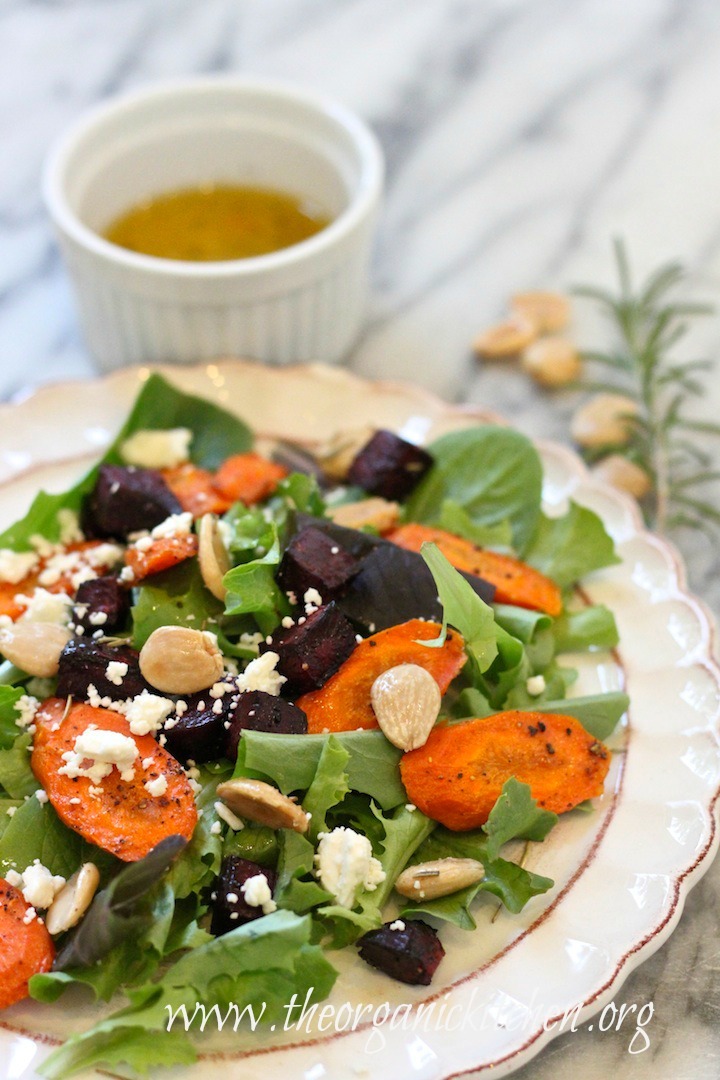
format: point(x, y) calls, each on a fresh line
point(520, 135)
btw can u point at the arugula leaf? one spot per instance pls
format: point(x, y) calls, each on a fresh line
point(262, 964)
point(9, 731)
point(291, 762)
point(590, 627)
point(16, 776)
point(329, 785)
point(516, 815)
point(493, 473)
point(159, 405)
point(569, 547)
point(295, 864)
point(599, 714)
point(176, 597)
point(251, 586)
point(463, 609)
point(455, 519)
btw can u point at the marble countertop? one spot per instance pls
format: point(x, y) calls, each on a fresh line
point(520, 136)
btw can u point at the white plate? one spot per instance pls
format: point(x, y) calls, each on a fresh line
point(621, 874)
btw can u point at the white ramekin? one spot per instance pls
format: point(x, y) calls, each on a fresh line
point(304, 302)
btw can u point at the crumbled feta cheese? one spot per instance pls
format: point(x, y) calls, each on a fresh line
point(157, 449)
point(287, 621)
point(345, 863)
point(228, 817)
point(535, 685)
point(260, 674)
point(175, 525)
point(313, 600)
point(104, 750)
point(146, 712)
point(97, 618)
point(11, 811)
point(29, 915)
point(219, 689)
point(16, 565)
point(257, 893)
point(116, 672)
point(26, 707)
point(156, 787)
point(216, 828)
point(410, 806)
point(38, 885)
point(127, 575)
point(397, 925)
point(41, 796)
point(13, 878)
point(44, 606)
point(69, 525)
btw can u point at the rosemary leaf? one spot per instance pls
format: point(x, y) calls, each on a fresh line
point(648, 323)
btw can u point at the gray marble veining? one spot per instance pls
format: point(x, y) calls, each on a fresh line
point(520, 136)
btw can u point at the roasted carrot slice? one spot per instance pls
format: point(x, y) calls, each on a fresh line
point(249, 478)
point(457, 776)
point(26, 948)
point(118, 815)
point(515, 582)
point(193, 488)
point(165, 553)
point(343, 703)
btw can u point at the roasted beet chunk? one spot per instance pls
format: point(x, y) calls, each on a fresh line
point(198, 733)
point(313, 560)
point(85, 663)
point(126, 500)
point(230, 909)
point(258, 711)
point(311, 651)
point(101, 604)
point(410, 955)
point(389, 466)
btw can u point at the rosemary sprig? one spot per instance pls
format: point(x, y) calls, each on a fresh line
point(649, 322)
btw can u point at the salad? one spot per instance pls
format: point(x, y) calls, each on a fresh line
point(256, 708)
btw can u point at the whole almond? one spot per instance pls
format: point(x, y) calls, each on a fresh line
point(506, 339)
point(426, 881)
point(406, 700)
point(624, 475)
point(552, 361)
point(73, 900)
point(550, 310)
point(35, 647)
point(379, 513)
point(178, 660)
point(604, 420)
point(264, 804)
point(212, 555)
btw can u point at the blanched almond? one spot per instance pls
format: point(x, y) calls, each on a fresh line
point(406, 700)
point(379, 513)
point(550, 310)
point(35, 647)
point(212, 555)
point(440, 877)
point(552, 361)
point(338, 453)
point(264, 804)
point(604, 420)
point(178, 660)
point(624, 475)
point(73, 900)
point(506, 339)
